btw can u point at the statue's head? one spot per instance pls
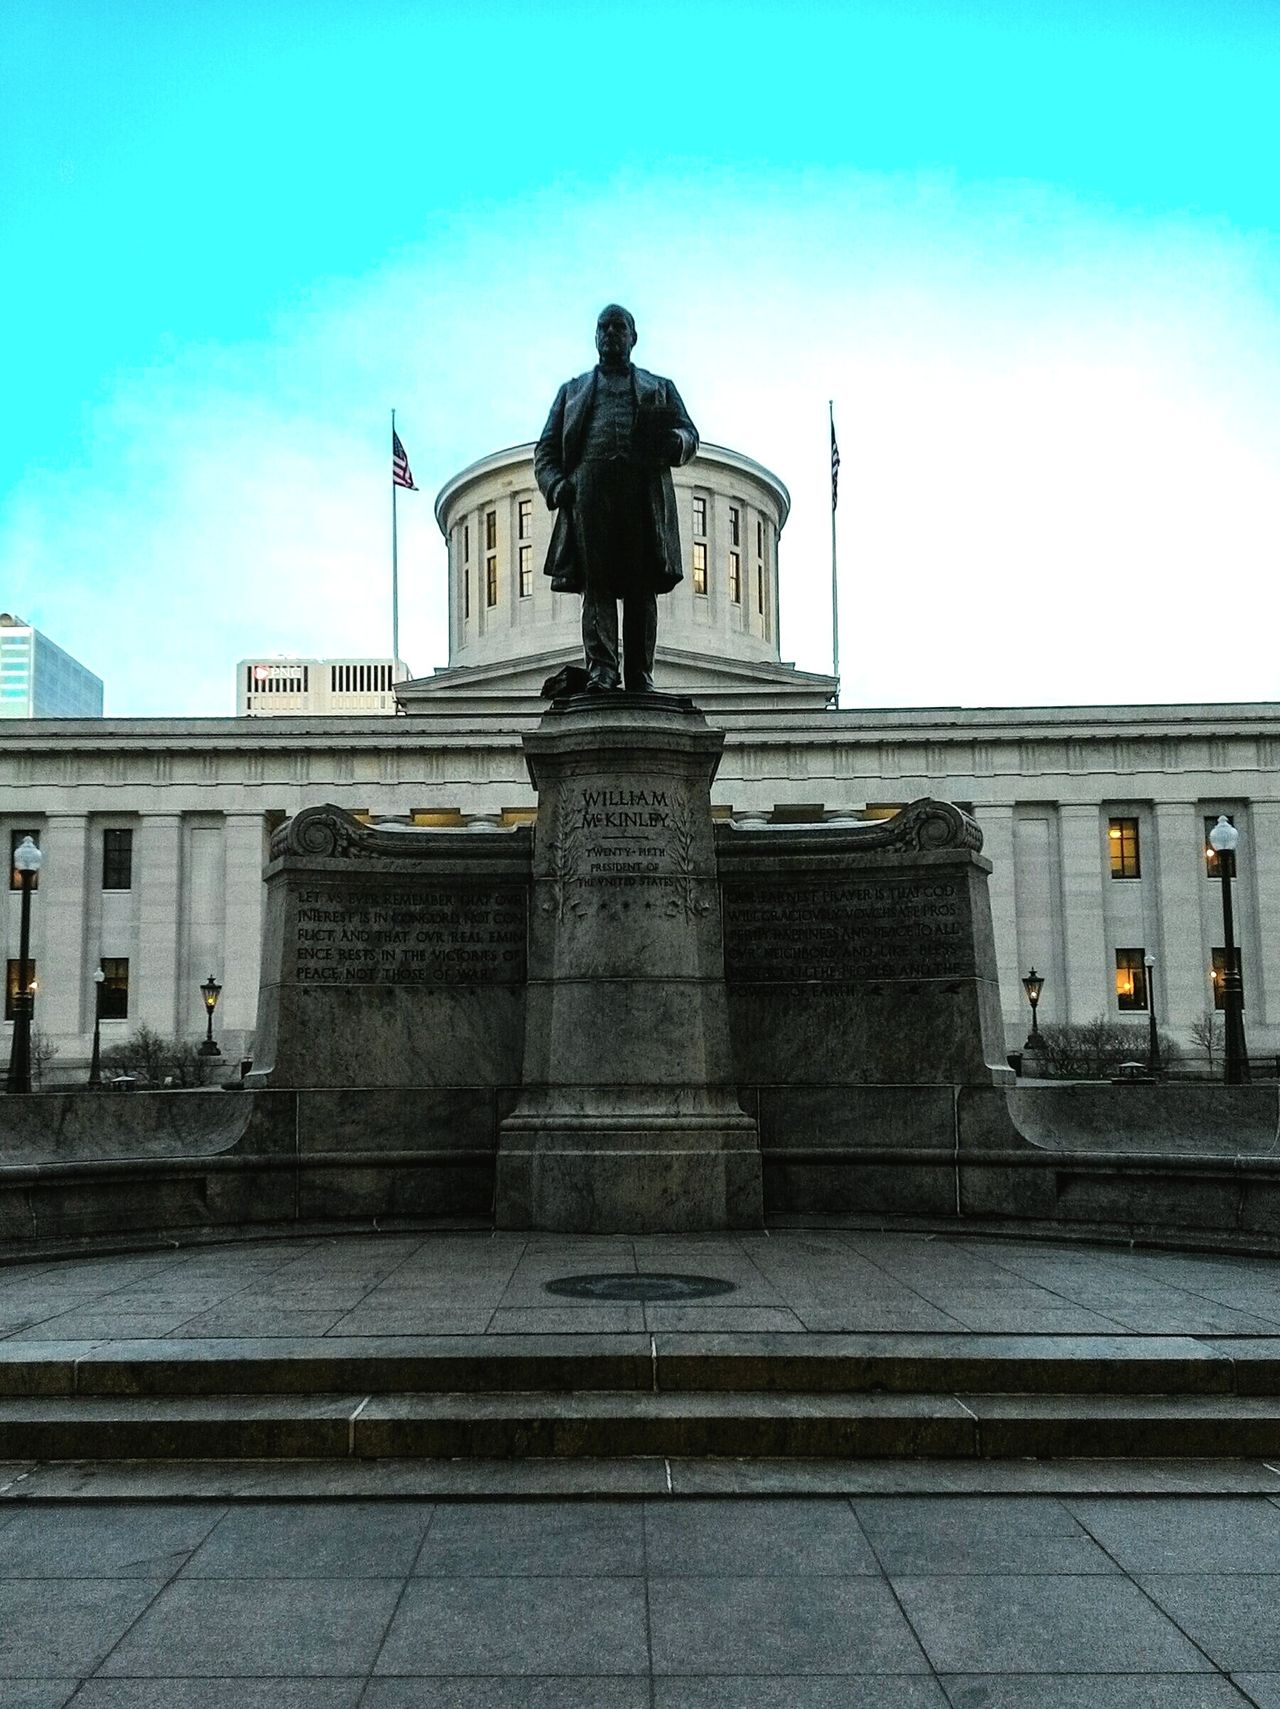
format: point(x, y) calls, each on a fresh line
point(615, 335)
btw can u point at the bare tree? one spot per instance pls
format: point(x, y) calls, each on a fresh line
point(1207, 1032)
point(43, 1051)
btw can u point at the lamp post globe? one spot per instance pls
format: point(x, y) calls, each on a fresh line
point(1154, 1064)
point(27, 861)
point(1224, 839)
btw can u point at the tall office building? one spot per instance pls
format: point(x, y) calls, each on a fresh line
point(39, 680)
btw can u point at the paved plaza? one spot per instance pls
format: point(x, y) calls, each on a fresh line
point(712, 1584)
point(783, 1281)
point(875, 1603)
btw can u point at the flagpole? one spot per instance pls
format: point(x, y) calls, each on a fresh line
point(835, 597)
point(395, 570)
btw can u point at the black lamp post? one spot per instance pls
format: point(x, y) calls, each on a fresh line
point(1033, 985)
point(26, 859)
point(1154, 1064)
point(210, 991)
point(95, 1061)
point(1224, 839)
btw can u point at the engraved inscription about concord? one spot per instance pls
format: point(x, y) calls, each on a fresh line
point(887, 928)
point(369, 935)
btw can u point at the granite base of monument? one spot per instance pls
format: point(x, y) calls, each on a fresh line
point(628, 1117)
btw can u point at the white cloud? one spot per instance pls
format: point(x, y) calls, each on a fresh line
point(1060, 433)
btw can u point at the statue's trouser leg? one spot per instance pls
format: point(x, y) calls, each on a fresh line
point(639, 638)
point(600, 637)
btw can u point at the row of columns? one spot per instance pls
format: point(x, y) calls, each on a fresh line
point(1175, 915)
point(68, 952)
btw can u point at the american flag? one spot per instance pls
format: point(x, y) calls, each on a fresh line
point(401, 474)
point(835, 464)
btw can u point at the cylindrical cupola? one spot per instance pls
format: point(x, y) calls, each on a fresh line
point(498, 527)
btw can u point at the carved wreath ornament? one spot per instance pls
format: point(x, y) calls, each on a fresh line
point(570, 888)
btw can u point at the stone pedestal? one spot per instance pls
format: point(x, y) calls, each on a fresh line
point(628, 1118)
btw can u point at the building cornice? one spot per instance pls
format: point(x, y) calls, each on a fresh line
point(512, 455)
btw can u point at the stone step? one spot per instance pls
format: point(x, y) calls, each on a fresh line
point(665, 1364)
point(632, 1424)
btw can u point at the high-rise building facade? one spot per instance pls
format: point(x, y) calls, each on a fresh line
point(39, 680)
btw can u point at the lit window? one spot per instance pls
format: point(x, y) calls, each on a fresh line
point(1211, 855)
point(15, 837)
point(1131, 978)
point(735, 578)
point(491, 581)
point(1122, 840)
point(11, 987)
point(524, 514)
point(526, 572)
point(1217, 975)
point(699, 566)
point(117, 860)
point(115, 989)
point(699, 516)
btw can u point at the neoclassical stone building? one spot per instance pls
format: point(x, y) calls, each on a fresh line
point(154, 830)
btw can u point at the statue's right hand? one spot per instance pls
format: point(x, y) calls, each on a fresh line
point(564, 493)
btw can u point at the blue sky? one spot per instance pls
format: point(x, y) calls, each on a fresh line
point(1031, 251)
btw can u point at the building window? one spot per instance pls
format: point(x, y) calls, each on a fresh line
point(114, 995)
point(1211, 855)
point(526, 572)
point(490, 530)
point(700, 516)
point(117, 860)
point(1131, 979)
point(491, 580)
point(1122, 838)
point(1217, 973)
point(524, 519)
point(760, 575)
point(466, 542)
point(466, 593)
point(699, 566)
point(735, 525)
point(11, 987)
point(15, 837)
point(735, 577)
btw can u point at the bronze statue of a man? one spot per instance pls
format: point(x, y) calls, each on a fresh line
point(604, 464)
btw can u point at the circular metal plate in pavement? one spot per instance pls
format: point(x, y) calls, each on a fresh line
point(626, 1285)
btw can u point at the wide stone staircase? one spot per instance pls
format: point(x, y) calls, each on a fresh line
point(893, 1396)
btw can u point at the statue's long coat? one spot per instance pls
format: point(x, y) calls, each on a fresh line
point(559, 451)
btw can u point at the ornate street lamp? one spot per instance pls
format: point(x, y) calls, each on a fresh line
point(95, 1061)
point(1033, 985)
point(210, 991)
point(1154, 1064)
point(1224, 839)
point(27, 861)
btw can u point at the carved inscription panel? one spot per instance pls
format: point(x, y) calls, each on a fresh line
point(835, 929)
point(615, 847)
point(353, 934)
